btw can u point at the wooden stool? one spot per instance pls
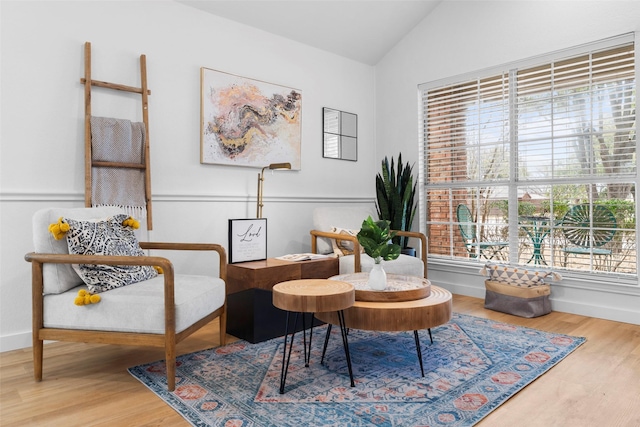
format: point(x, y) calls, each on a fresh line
point(312, 296)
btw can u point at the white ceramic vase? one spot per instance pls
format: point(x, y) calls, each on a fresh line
point(377, 278)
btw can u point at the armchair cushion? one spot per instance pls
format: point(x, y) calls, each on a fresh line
point(344, 247)
point(106, 237)
point(349, 218)
point(60, 278)
point(137, 308)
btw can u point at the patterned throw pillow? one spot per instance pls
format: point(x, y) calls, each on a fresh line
point(516, 276)
point(344, 247)
point(106, 237)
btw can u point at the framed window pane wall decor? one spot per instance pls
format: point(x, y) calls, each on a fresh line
point(340, 134)
point(535, 163)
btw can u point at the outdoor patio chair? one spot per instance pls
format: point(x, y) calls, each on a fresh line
point(589, 233)
point(468, 231)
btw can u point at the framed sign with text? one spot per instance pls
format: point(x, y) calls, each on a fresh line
point(247, 240)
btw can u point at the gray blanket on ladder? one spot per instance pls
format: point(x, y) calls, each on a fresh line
point(121, 141)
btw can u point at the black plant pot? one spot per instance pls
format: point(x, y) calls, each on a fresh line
point(408, 251)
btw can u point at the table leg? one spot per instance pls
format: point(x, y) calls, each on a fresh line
point(286, 358)
point(419, 350)
point(537, 257)
point(537, 233)
point(326, 342)
point(307, 350)
point(345, 343)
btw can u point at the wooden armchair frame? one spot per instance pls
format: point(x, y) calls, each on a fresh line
point(356, 245)
point(168, 340)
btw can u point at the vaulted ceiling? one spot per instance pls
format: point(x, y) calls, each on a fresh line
point(361, 30)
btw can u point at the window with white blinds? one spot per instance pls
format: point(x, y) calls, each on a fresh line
point(535, 163)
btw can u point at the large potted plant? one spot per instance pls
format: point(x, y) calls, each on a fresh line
point(395, 194)
point(375, 237)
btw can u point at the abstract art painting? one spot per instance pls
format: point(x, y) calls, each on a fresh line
point(247, 122)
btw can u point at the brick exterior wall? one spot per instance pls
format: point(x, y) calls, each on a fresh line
point(444, 165)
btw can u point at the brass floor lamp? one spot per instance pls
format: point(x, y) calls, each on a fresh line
point(272, 166)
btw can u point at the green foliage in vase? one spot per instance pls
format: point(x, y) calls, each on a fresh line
point(375, 237)
point(395, 194)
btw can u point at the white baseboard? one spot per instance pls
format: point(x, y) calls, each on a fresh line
point(598, 311)
point(580, 308)
point(15, 341)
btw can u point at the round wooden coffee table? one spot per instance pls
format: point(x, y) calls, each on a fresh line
point(312, 296)
point(412, 315)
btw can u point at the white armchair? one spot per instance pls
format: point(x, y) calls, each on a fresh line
point(160, 311)
point(327, 223)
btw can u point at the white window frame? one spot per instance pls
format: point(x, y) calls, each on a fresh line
point(531, 62)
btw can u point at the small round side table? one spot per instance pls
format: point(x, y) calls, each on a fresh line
point(312, 296)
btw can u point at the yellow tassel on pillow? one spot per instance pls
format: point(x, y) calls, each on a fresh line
point(130, 222)
point(58, 229)
point(158, 269)
point(85, 298)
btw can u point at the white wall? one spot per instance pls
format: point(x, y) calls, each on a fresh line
point(42, 135)
point(41, 128)
point(466, 36)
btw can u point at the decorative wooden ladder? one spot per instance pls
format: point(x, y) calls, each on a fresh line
point(88, 82)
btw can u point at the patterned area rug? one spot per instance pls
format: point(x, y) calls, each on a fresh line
point(473, 366)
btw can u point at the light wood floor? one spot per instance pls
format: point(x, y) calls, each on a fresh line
point(88, 384)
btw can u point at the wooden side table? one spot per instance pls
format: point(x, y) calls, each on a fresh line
point(251, 315)
point(312, 296)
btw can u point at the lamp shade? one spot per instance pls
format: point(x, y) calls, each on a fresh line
point(276, 166)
